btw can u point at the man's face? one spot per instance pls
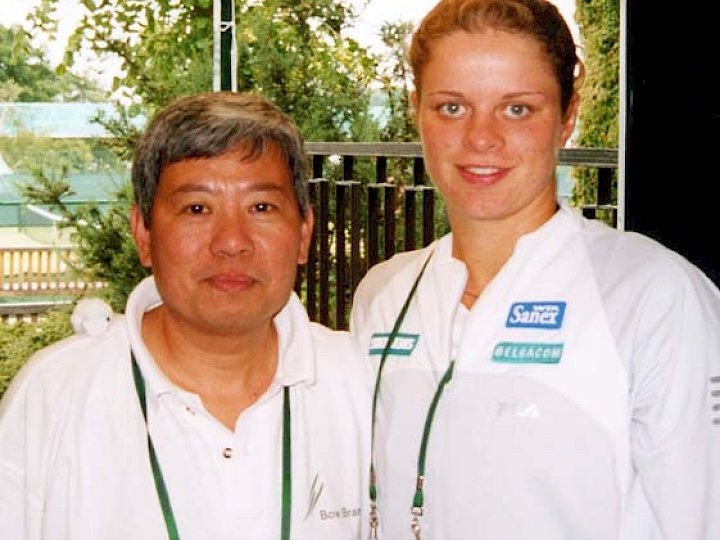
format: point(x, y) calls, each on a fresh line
point(225, 241)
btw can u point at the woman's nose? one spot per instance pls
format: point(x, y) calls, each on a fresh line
point(482, 132)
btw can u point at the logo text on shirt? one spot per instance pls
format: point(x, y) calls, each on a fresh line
point(507, 352)
point(547, 315)
point(340, 513)
point(402, 344)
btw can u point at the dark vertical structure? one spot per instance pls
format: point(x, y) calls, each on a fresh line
point(672, 168)
point(227, 44)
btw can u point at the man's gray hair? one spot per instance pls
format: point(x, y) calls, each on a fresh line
point(210, 124)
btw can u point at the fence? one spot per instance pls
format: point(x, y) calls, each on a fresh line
point(29, 312)
point(382, 204)
point(42, 271)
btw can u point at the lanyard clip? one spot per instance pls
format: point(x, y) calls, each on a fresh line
point(373, 521)
point(417, 511)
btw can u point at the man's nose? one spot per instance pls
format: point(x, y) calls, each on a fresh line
point(232, 235)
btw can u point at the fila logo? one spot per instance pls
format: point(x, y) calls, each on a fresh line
point(518, 410)
point(546, 315)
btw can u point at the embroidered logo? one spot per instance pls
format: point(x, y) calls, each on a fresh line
point(402, 344)
point(316, 490)
point(507, 352)
point(546, 315)
point(325, 514)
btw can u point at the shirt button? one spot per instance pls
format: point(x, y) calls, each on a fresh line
point(227, 453)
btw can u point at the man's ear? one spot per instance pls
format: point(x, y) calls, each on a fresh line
point(141, 235)
point(306, 231)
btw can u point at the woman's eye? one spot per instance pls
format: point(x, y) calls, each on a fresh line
point(517, 110)
point(451, 109)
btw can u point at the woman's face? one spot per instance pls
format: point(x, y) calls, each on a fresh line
point(489, 118)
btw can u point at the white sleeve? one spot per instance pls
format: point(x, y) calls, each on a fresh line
point(676, 406)
point(20, 514)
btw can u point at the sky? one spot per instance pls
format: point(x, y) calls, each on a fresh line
point(366, 30)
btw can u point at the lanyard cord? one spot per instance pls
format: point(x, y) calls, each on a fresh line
point(163, 496)
point(418, 497)
point(157, 472)
point(286, 504)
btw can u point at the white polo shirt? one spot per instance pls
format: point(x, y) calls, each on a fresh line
point(74, 457)
point(585, 398)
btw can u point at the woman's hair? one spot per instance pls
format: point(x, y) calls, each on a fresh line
point(211, 124)
point(536, 18)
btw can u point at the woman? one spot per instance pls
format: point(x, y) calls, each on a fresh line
point(539, 375)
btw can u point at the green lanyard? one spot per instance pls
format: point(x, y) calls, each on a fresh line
point(418, 498)
point(163, 496)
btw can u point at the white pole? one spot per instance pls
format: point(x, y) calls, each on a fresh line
point(217, 32)
point(624, 96)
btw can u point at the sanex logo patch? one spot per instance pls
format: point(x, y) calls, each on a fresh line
point(546, 315)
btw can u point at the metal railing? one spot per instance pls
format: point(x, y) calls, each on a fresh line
point(383, 203)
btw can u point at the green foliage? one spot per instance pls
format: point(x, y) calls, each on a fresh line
point(599, 22)
point(20, 340)
point(26, 74)
point(293, 52)
point(395, 79)
point(102, 236)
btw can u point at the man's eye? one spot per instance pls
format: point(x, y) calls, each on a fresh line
point(196, 208)
point(263, 207)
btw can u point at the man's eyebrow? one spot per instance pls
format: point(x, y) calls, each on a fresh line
point(248, 186)
point(193, 187)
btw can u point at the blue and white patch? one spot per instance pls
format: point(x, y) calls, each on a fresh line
point(508, 352)
point(545, 315)
point(402, 344)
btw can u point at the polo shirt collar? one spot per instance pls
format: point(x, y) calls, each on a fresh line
point(296, 363)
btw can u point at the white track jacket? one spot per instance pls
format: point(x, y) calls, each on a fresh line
point(585, 398)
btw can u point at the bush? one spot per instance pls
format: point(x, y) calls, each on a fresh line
point(20, 340)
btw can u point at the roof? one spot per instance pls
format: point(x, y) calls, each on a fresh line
point(56, 120)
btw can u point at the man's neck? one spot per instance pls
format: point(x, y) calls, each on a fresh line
point(229, 374)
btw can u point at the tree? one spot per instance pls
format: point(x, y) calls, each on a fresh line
point(599, 22)
point(293, 52)
point(395, 80)
point(27, 76)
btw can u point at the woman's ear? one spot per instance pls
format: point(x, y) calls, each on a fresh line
point(414, 104)
point(568, 125)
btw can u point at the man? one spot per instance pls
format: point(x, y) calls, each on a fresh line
point(213, 408)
